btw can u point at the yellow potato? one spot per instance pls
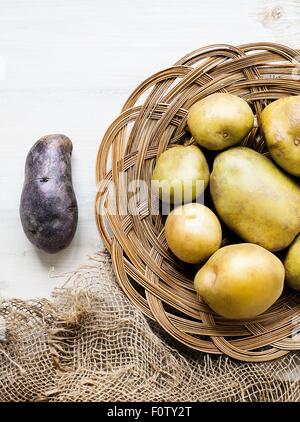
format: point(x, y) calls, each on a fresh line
point(193, 233)
point(181, 174)
point(220, 121)
point(255, 198)
point(280, 122)
point(292, 265)
point(240, 281)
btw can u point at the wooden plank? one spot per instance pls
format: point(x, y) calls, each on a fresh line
point(68, 66)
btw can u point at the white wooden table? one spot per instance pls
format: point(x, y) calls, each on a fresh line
point(67, 66)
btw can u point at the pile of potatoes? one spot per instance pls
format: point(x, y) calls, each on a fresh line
point(257, 198)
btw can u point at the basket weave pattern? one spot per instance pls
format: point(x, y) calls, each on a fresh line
point(153, 119)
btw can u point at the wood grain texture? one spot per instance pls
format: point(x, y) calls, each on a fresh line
point(68, 66)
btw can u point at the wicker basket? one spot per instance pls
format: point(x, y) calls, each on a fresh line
point(153, 118)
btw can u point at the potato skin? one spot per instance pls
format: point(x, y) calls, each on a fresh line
point(291, 264)
point(193, 232)
point(48, 208)
point(280, 122)
point(177, 171)
point(220, 120)
point(240, 281)
point(255, 199)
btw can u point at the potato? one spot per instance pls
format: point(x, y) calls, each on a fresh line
point(48, 207)
point(255, 199)
point(193, 232)
point(220, 120)
point(292, 265)
point(280, 122)
point(181, 174)
point(240, 281)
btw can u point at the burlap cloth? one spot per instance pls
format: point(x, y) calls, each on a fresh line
point(89, 343)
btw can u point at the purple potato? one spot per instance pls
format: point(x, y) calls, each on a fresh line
point(48, 208)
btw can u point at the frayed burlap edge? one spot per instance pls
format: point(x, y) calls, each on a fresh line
point(89, 343)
